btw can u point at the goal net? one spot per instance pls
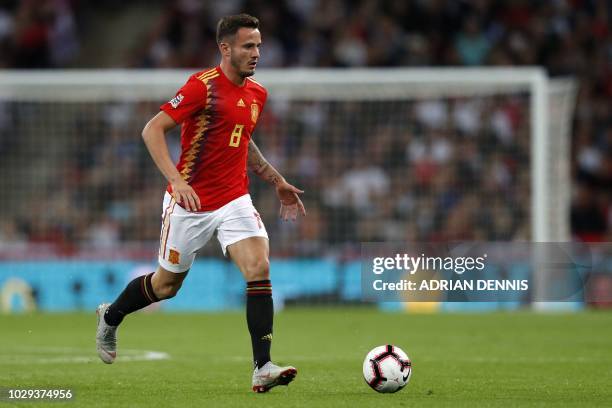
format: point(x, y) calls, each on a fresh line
point(383, 155)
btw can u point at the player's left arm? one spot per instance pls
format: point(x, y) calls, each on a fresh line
point(291, 204)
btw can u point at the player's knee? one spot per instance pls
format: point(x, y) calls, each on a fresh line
point(258, 269)
point(166, 284)
point(168, 290)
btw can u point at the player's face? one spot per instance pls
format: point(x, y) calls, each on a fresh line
point(245, 51)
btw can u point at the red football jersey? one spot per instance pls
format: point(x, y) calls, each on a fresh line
point(217, 118)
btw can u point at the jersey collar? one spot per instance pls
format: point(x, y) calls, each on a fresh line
point(225, 78)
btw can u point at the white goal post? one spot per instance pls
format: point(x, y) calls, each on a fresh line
point(550, 155)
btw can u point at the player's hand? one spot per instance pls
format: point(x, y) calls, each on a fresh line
point(291, 204)
point(185, 195)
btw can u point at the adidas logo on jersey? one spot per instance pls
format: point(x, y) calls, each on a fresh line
point(241, 103)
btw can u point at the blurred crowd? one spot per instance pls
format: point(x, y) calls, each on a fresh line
point(433, 170)
point(37, 34)
point(438, 169)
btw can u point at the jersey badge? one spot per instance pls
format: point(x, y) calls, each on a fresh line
point(254, 112)
point(174, 102)
point(173, 257)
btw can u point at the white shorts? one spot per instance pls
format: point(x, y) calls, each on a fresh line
point(183, 233)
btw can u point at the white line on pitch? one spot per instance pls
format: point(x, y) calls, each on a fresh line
point(132, 355)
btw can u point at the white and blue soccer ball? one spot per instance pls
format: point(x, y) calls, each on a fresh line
point(387, 368)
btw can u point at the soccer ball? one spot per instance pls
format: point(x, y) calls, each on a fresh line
point(387, 368)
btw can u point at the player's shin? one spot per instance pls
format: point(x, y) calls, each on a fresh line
point(260, 316)
point(136, 295)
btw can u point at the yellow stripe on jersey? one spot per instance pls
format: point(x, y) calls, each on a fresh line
point(210, 71)
point(205, 80)
point(196, 141)
point(194, 149)
point(205, 77)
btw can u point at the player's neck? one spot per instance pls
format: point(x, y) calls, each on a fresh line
point(232, 74)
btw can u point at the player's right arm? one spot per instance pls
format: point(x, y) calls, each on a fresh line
point(154, 135)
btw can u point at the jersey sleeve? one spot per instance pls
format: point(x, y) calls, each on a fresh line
point(189, 99)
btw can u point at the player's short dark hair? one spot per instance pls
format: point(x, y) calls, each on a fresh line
point(229, 25)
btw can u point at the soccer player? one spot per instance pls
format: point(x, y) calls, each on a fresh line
point(207, 192)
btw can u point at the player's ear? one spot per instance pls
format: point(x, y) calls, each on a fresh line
point(224, 49)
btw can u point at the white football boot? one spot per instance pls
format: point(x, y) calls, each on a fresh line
point(271, 375)
point(106, 337)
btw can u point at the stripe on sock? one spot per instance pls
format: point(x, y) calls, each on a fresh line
point(259, 283)
point(147, 287)
point(259, 288)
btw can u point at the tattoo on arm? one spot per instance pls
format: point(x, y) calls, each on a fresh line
point(256, 161)
point(260, 165)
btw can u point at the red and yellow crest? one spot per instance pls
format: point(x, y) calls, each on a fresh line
point(254, 112)
point(173, 257)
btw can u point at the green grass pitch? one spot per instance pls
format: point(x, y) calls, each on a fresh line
point(492, 359)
